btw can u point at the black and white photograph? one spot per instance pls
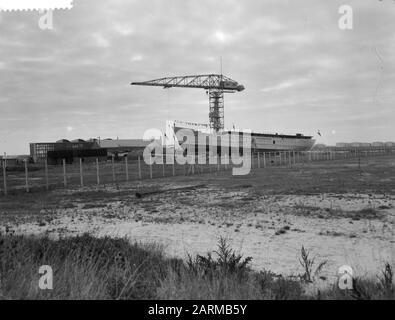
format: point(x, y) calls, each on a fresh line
point(197, 156)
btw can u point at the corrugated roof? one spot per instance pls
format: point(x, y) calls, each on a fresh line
point(127, 143)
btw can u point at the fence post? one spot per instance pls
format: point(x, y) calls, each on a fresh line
point(127, 168)
point(5, 176)
point(139, 165)
point(150, 167)
point(259, 161)
point(264, 160)
point(46, 175)
point(97, 172)
point(174, 165)
point(81, 174)
point(113, 168)
point(26, 176)
point(64, 173)
point(163, 169)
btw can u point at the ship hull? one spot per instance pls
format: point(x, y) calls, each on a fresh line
point(273, 143)
point(260, 142)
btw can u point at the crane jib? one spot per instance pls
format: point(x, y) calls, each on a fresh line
point(215, 85)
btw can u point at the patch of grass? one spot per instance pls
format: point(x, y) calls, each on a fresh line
point(84, 268)
point(104, 268)
point(368, 213)
point(308, 264)
point(227, 261)
point(283, 230)
point(382, 288)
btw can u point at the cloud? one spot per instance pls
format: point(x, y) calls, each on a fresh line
point(100, 40)
point(300, 70)
point(285, 85)
point(136, 58)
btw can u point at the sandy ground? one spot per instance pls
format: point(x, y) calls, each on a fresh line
point(344, 229)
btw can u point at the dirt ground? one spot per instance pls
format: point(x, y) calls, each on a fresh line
point(341, 211)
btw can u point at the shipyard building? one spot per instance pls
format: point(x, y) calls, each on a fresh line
point(90, 150)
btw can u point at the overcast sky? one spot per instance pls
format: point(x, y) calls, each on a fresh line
point(301, 72)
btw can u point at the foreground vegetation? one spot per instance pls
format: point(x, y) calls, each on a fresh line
point(85, 267)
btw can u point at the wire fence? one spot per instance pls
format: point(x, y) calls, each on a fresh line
point(30, 177)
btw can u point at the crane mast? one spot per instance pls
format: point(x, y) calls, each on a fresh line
point(215, 86)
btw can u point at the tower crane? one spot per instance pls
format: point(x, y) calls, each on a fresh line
point(215, 86)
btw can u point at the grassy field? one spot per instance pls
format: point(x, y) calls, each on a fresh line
point(134, 170)
point(273, 212)
point(89, 268)
point(371, 176)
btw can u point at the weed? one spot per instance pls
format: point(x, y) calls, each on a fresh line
point(308, 265)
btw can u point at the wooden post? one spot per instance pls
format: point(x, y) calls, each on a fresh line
point(259, 161)
point(264, 160)
point(26, 176)
point(81, 174)
point(127, 168)
point(286, 158)
point(46, 175)
point(163, 168)
point(97, 172)
point(150, 167)
point(113, 168)
point(5, 176)
point(174, 166)
point(139, 165)
point(64, 173)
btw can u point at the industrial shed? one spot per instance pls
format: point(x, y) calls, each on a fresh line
point(132, 148)
point(72, 156)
